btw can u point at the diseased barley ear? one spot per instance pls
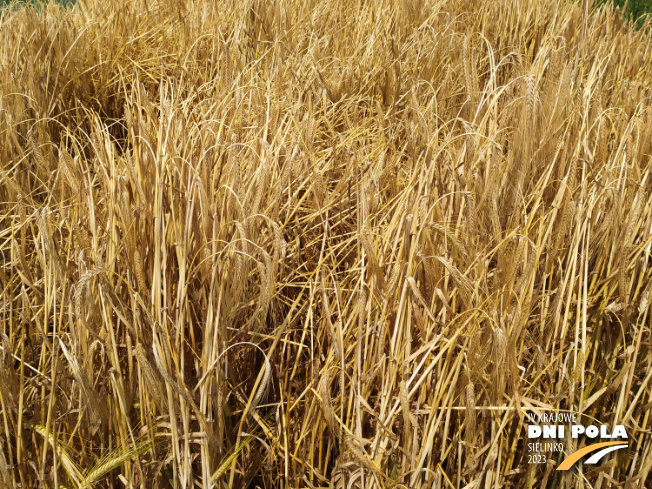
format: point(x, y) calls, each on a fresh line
point(36, 150)
point(228, 76)
point(280, 246)
point(360, 456)
point(140, 275)
point(264, 384)
point(98, 410)
point(240, 269)
point(22, 213)
point(266, 287)
point(393, 282)
point(500, 363)
point(431, 274)
point(408, 418)
point(320, 188)
point(463, 285)
point(374, 266)
point(150, 378)
point(532, 101)
point(470, 418)
point(495, 220)
point(326, 402)
point(470, 213)
point(578, 369)
point(470, 75)
point(475, 357)
point(66, 164)
point(204, 208)
point(129, 120)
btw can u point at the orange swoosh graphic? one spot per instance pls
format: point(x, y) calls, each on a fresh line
point(569, 461)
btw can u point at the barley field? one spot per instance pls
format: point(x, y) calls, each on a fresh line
point(322, 243)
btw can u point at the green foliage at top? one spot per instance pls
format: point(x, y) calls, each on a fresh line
point(6, 3)
point(635, 10)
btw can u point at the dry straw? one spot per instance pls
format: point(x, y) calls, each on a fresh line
point(427, 217)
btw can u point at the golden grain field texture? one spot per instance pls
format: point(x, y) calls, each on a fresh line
point(321, 243)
